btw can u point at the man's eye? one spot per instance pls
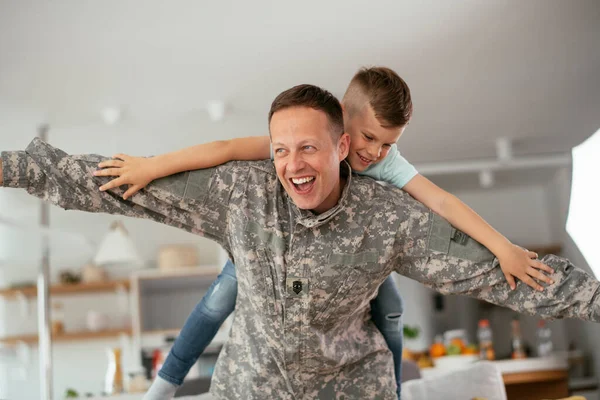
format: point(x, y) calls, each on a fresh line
point(308, 147)
point(278, 151)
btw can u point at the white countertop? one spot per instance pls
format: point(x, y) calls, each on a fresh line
point(532, 364)
point(557, 362)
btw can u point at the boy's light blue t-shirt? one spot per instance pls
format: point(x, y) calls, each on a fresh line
point(393, 169)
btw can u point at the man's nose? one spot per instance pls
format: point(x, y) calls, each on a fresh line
point(295, 162)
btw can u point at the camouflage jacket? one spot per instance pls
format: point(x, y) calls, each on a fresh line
point(302, 328)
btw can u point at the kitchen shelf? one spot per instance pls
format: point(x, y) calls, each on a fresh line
point(67, 336)
point(67, 289)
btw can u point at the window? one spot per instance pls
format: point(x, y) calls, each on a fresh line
point(583, 223)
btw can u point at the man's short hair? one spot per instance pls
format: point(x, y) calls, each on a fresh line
point(315, 98)
point(385, 91)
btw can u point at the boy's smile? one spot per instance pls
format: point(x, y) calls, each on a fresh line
point(365, 161)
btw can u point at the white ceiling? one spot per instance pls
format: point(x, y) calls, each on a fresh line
point(478, 70)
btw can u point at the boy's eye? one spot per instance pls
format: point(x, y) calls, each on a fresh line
point(369, 138)
point(387, 146)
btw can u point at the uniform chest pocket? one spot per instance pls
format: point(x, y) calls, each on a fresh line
point(346, 287)
point(444, 238)
point(263, 280)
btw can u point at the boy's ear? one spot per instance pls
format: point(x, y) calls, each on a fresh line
point(344, 146)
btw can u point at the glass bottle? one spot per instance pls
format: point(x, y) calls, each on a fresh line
point(518, 350)
point(544, 336)
point(484, 335)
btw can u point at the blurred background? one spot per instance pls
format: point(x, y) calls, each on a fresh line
point(502, 90)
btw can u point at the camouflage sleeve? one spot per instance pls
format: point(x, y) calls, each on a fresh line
point(195, 201)
point(445, 259)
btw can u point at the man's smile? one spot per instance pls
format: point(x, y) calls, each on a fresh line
point(303, 185)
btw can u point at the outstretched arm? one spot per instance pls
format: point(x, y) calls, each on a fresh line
point(139, 171)
point(430, 253)
point(514, 261)
point(194, 201)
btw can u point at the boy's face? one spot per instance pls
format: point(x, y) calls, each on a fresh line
point(306, 157)
point(370, 142)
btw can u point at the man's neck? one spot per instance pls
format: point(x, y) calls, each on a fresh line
point(336, 194)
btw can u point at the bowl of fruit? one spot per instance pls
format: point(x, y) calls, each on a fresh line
point(453, 353)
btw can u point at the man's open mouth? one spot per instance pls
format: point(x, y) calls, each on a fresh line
point(304, 184)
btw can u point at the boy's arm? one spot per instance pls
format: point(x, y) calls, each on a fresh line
point(206, 155)
point(195, 201)
point(514, 261)
point(139, 171)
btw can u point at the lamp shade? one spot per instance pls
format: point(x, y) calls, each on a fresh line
point(117, 248)
point(584, 214)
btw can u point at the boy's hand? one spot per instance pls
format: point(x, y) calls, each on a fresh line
point(523, 264)
point(137, 172)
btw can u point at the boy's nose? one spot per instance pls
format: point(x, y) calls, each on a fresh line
point(374, 152)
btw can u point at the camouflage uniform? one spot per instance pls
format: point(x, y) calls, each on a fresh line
point(302, 329)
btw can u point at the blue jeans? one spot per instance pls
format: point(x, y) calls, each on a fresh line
point(218, 303)
point(201, 326)
point(386, 313)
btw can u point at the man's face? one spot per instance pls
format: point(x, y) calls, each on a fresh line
point(307, 158)
point(369, 141)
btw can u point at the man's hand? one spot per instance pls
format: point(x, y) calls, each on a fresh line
point(523, 264)
point(137, 172)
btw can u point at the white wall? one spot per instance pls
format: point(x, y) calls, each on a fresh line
point(518, 213)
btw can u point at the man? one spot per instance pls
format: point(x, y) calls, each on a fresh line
point(311, 243)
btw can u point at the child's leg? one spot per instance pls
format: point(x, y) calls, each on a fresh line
point(386, 313)
point(201, 326)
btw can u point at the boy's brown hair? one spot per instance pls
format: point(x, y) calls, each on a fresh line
point(313, 97)
point(384, 91)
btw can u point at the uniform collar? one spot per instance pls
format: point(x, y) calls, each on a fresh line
point(308, 218)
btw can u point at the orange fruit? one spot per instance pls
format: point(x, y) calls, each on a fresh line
point(437, 350)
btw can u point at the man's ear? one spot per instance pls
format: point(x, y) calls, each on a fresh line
point(344, 146)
